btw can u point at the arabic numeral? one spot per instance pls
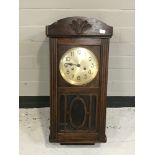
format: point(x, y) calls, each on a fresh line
point(78, 78)
point(89, 71)
point(85, 76)
point(66, 65)
point(67, 71)
point(72, 53)
point(79, 52)
point(67, 58)
point(92, 65)
point(72, 76)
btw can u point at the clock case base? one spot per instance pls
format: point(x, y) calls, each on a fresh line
point(78, 141)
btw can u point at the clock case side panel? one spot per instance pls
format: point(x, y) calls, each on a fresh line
point(103, 89)
point(53, 89)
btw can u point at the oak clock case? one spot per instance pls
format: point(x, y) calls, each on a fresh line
point(79, 48)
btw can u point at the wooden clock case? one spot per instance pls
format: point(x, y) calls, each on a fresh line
point(78, 113)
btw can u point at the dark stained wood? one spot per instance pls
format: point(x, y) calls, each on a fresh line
point(77, 136)
point(77, 90)
point(103, 87)
point(79, 41)
point(77, 143)
point(53, 89)
point(90, 111)
point(78, 27)
point(65, 34)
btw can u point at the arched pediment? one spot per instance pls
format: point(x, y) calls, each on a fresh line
point(79, 27)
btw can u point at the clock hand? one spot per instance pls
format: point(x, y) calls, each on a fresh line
point(71, 64)
point(78, 65)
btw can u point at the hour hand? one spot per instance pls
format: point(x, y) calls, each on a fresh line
point(78, 65)
point(69, 64)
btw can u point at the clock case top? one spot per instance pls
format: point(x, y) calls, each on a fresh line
point(93, 34)
point(79, 27)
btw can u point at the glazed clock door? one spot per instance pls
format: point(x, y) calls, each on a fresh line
point(78, 96)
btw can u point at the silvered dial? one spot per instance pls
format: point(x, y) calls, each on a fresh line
point(78, 66)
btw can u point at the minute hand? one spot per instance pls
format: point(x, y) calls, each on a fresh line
point(71, 64)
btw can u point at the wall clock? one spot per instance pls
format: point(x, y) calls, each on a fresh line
point(79, 48)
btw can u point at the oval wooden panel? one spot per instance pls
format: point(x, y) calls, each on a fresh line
point(77, 113)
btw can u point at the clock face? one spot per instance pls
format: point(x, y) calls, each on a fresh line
point(78, 66)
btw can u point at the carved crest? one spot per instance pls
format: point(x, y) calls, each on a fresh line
point(79, 26)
